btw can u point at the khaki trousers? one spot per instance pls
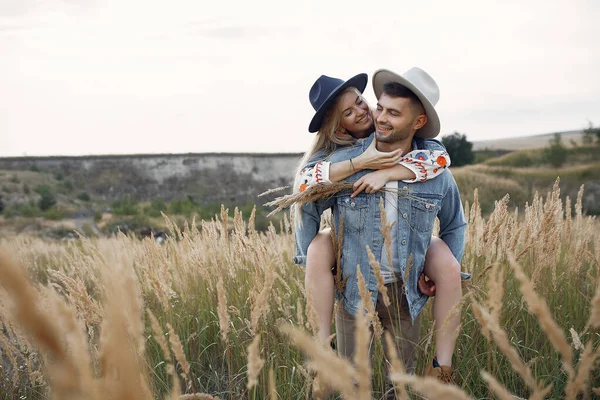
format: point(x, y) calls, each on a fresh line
point(395, 320)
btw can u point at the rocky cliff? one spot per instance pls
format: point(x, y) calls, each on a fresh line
point(210, 178)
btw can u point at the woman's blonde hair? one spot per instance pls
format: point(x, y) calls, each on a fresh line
point(325, 139)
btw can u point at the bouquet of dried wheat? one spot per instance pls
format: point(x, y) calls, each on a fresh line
point(322, 191)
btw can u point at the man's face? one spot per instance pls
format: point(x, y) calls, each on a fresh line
point(395, 119)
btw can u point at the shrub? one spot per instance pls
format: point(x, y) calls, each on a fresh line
point(10, 211)
point(557, 153)
point(182, 207)
point(591, 134)
point(28, 210)
point(53, 214)
point(459, 149)
point(67, 186)
point(46, 201)
point(47, 198)
point(521, 159)
point(126, 205)
point(83, 196)
point(154, 209)
point(208, 211)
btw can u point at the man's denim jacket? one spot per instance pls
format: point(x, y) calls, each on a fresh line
point(418, 205)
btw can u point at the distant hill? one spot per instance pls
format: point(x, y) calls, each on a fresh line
point(527, 142)
point(229, 178)
point(129, 191)
point(94, 193)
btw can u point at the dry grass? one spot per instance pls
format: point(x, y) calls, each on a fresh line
point(197, 317)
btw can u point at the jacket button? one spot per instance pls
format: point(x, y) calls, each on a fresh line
point(427, 205)
point(352, 204)
point(403, 241)
point(404, 215)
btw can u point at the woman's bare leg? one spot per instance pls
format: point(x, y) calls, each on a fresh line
point(444, 270)
point(319, 280)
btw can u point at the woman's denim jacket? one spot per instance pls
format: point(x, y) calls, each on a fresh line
point(418, 206)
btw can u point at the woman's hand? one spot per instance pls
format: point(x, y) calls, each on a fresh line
point(371, 182)
point(375, 159)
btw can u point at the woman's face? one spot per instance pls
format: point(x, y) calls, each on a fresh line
point(355, 116)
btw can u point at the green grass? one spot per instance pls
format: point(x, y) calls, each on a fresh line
point(219, 368)
point(194, 265)
point(493, 183)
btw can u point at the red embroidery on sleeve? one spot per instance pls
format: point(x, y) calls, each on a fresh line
point(318, 172)
point(422, 170)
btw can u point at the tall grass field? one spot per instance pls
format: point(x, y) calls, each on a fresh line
point(219, 311)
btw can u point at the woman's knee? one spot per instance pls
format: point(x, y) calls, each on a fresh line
point(321, 247)
point(440, 263)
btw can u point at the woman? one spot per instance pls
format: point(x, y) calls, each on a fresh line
point(342, 117)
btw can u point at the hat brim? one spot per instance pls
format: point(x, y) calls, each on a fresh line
point(359, 82)
point(432, 127)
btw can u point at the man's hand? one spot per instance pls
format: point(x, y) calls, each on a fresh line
point(371, 182)
point(427, 287)
point(375, 159)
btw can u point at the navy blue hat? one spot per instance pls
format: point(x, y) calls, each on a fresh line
point(325, 90)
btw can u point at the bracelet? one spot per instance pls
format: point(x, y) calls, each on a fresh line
point(352, 165)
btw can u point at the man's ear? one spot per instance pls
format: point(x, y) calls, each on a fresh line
point(420, 122)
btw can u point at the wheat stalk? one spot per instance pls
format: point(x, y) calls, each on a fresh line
point(430, 387)
point(255, 362)
point(498, 389)
point(334, 371)
point(222, 307)
point(501, 340)
point(540, 309)
point(396, 366)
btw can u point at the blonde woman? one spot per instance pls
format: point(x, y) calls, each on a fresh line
point(343, 118)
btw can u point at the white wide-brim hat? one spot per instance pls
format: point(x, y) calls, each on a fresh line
point(423, 86)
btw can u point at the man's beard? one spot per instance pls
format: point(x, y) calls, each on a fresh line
point(394, 136)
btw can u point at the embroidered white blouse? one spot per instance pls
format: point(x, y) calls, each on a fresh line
point(426, 164)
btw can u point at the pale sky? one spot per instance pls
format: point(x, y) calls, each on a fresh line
point(81, 77)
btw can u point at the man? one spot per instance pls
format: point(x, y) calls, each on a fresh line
point(405, 116)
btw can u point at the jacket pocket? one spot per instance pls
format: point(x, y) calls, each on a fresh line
point(423, 213)
point(353, 212)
